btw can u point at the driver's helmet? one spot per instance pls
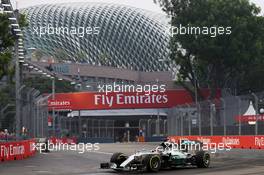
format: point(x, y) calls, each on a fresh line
point(166, 144)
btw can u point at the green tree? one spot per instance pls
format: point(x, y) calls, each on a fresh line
point(80, 56)
point(37, 54)
point(7, 40)
point(221, 61)
point(104, 59)
point(61, 55)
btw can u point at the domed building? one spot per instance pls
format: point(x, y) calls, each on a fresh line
point(99, 43)
point(99, 34)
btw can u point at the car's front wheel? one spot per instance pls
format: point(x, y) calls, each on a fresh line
point(118, 158)
point(152, 162)
point(202, 159)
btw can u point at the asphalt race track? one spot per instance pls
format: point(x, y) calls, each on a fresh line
point(234, 162)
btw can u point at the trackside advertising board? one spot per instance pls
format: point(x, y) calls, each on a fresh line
point(16, 150)
point(120, 100)
point(243, 142)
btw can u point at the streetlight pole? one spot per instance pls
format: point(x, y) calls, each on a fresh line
point(158, 117)
point(196, 92)
point(198, 106)
point(34, 110)
point(257, 112)
point(181, 120)
point(199, 118)
point(224, 114)
point(239, 114)
point(212, 109)
point(17, 76)
point(189, 120)
point(158, 123)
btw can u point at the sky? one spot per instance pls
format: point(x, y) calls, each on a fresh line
point(144, 4)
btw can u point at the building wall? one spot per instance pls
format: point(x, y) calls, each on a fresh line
point(94, 75)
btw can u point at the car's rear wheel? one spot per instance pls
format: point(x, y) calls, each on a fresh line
point(152, 162)
point(118, 158)
point(202, 159)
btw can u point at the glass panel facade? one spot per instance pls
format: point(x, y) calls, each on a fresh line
point(128, 37)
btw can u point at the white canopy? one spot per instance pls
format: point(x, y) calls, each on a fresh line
point(250, 111)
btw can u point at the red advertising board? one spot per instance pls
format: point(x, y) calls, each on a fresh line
point(121, 100)
point(250, 118)
point(16, 150)
point(243, 142)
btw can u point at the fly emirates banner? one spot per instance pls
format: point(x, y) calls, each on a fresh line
point(119, 100)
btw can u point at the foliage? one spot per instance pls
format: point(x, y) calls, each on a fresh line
point(38, 54)
point(80, 56)
point(61, 55)
point(23, 21)
point(7, 40)
point(104, 59)
point(224, 61)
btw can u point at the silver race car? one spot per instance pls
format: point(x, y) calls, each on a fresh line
point(166, 155)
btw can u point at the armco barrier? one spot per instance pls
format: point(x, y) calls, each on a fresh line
point(16, 150)
point(242, 142)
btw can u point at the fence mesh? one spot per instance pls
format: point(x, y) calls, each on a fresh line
point(224, 116)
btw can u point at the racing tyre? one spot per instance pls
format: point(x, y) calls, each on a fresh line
point(202, 159)
point(152, 162)
point(118, 158)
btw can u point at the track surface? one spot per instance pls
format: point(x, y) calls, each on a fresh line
point(234, 162)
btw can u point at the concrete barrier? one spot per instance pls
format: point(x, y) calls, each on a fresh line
point(16, 150)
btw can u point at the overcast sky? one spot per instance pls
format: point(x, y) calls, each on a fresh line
point(145, 4)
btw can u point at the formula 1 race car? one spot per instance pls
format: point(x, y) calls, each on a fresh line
point(166, 155)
